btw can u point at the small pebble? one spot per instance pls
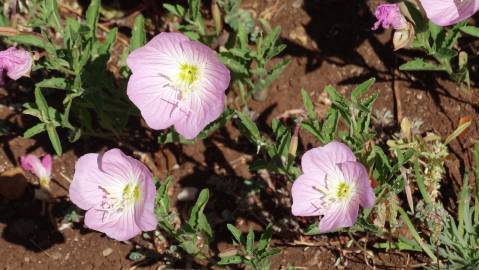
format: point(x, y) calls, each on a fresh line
point(107, 252)
point(187, 194)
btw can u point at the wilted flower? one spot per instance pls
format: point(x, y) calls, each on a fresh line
point(333, 185)
point(118, 193)
point(42, 169)
point(178, 82)
point(389, 15)
point(16, 62)
point(448, 12)
point(404, 37)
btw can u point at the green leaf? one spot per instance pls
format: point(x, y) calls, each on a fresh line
point(138, 35)
point(234, 65)
point(235, 232)
point(106, 46)
point(177, 10)
point(418, 18)
point(196, 216)
point(308, 104)
point(194, 9)
point(435, 30)
point(419, 64)
point(250, 126)
point(92, 15)
point(231, 260)
point(32, 40)
point(55, 82)
point(250, 241)
point(464, 201)
point(420, 182)
point(415, 235)
point(265, 238)
point(41, 104)
point(328, 130)
point(361, 89)
point(312, 229)
point(36, 129)
point(53, 14)
point(54, 139)
point(471, 30)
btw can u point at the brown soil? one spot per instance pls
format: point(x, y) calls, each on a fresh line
point(329, 42)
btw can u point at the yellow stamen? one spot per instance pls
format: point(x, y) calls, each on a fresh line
point(188, 74)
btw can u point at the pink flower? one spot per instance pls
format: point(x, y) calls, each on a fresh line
point(448, 12)
point(177, 82)
point(118, 193)
point(16, 62)
point(333, 185)
point(389, 15)
point(42, 169)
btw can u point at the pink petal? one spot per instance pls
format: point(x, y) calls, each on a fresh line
point(119, 226)
point(47, 162)
point(17, 62)
point(144, 210)
point(33, 164)
point(168, 43)
point(204, 109)
point(84, 189)
point(155, 99)
point(325, 158)
point(29, 162)
point(355, 172)
point(216, 77)
point(448, 12)
point(339, 216)
point(122, 168)
point(307, 201)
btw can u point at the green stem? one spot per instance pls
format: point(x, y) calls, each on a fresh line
point(416, 236)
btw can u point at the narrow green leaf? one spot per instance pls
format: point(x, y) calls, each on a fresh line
point(106, 46)
point(53, 14)
point(235, 232)
point(198, 208)
point(420, 183)
point(92, 16)
point(328, 130)
point(308, 104)
point(471, 30)
point(415, 235)
point(36, 129)
point(419, 64)
point(31, 40)
point(361, 89)
point(177, 10)
point(234, 65)
point(231, 260)
point(265, 238)
point(463, 204)
point(54, 139)
point(250, 242)
point(138, 35)
point(250, 126)
point(55, 82)
point(41, 103)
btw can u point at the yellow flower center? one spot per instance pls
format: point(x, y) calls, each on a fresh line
point(131, 193)
point(188, 74)
point(342, 190)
